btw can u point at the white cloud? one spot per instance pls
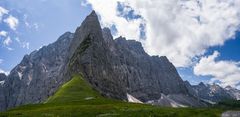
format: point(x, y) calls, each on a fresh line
point(7, 41)
point(3, 33)
point(178, 29)
point(10, 49)
point(84, 3)
point(5, 72)
point(29, 24)
point(25, 45)
point(227, 72)
point(36, 26)
point(109, 17)
point(22, 43)
point(2, 12)
point(12, 22)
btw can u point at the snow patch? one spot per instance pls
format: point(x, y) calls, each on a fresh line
point(238, 96)
point(133, 99)
point(165, 101)
point(44, 68)
point(233, 92)
point(171, 101)
point(2, 82)
point(22, 67)
point(208, 101)
point(20, 75)
point(29, 79)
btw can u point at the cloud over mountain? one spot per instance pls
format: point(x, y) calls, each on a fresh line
point(227, 72)
point(179, 29)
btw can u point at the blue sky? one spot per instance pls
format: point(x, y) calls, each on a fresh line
point(200, 44)
point(40, 23)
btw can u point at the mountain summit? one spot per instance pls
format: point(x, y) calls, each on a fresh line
point(116, 68)
point(119, 67)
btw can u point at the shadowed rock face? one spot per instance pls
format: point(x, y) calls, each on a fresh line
point(2, 76)
point(120, 66)
point(2, 96)
point(213, 93)
point(235, 93)
point(38, 75)
point(113, 67)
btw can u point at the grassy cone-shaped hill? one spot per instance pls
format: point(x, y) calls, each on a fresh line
point(76, 98)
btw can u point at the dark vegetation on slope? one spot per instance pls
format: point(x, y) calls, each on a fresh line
point(229, 104)
point(78, 98)
point(83, 46)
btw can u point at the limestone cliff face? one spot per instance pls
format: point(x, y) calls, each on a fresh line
point(2, 76)
point(120, 66)
point(2, 95)
point(113, 67)
point(233, 92)
point(37, 76)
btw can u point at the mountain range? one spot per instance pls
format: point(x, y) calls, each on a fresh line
point(116, 68)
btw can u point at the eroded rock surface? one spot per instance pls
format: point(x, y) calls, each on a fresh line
point(113, 67)
point(38, 75)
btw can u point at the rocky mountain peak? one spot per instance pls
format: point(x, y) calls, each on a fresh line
point(120, 66)
point(107, 35)
point(187, 83)
point(229, 87)
point(89, 27)
point(107, 30)
point(65, 36)
point(132, 45)
point(2, 76)
point(201, 84)
point(93, 13)
point(211, 92)
point(234, 92)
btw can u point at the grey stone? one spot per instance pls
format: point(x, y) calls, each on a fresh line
point(235, 93)
point(114, 67)
point(119, 67)
point(38, 75)
point(213, 93)
point(2, 76)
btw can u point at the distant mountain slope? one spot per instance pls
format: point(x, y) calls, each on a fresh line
point(212, 93)
point(235, 93)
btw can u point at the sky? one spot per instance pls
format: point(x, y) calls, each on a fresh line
point(200, 37)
